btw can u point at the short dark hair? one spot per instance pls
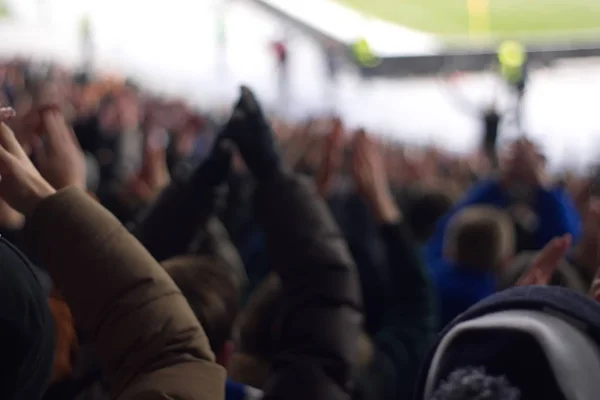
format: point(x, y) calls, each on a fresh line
point(256, 322)
point(473, 383)
point(212, 291)
point(424, 210)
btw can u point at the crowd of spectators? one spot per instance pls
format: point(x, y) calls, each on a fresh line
point(149, 250)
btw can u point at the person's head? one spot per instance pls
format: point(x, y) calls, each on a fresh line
point(480, 237)
point(108, 114)
point(424, 210)
point(26, 328)
point(524, 343)
point(128, 105)
point(213, 293)
point(472, 383)
point(256, 336)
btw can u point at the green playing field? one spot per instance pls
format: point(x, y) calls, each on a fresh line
point(505, 17)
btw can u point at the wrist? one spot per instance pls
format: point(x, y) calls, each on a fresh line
point(384, 208)
point(37, 195)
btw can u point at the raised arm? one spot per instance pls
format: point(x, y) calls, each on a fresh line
point(169, 225)
point(409, 323)
point(320, 309)
point(145, 334)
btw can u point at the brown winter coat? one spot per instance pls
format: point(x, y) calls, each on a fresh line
point(145, 334)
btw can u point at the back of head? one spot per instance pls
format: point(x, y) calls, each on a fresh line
point(480, 237)
point(255, 329)
point(26, 329)
point(423, 210)
point(474, 383)
point(523, 343)
point(256, 334)
point(212, 291)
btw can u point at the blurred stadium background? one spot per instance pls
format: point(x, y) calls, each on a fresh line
point(505, 18)
point(202, 49)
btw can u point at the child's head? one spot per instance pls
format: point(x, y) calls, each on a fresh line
point(213, 292)
point(480, 237)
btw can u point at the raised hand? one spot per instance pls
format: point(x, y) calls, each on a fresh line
point(252, 134)
point(524, 166)
point(21, 185)
point(216, 167)
point(331, 157)
point(154, 175)
point(368, 171)
point(59, 158)
point(546, 262)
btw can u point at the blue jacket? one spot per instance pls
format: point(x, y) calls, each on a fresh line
point(238, 391)
point(459, 288)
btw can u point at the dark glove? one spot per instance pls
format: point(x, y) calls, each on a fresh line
point(170, 224)
point(251, 132)
point(215, 169)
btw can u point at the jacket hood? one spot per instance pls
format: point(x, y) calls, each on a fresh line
point(26, 328)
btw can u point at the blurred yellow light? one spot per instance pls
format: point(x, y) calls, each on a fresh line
point(364, 55)
point(511, 54)
point(477, 7)
point(479, 16)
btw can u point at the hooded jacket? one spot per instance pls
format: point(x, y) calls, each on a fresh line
point(26, 328)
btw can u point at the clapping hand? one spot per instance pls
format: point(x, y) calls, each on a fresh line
point(331, 157)
point(21, 185)
point(251, 132)
point(368, 171)
point(57, 153)
point(546, 262)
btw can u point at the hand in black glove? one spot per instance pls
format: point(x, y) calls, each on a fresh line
point(214, 170)
point(251, 132)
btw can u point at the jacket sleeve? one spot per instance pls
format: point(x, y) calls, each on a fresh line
point(410, 322)
point(168, 226)
point(320, 318)
point(484, 192)
point(212, 239)
point(147, 337)
point(557, 216)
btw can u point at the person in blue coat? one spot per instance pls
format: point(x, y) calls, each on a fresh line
point(552, 214)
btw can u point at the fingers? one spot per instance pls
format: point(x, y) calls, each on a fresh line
point(39, 152)
point(6, 113)
point(56, 128)
point(235, 124)
point(9, 142)
point(6, 161)
point(248, 100)
point(546, 262)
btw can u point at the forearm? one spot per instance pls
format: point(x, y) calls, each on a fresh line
point(168, 226)
point(118, 293)
point(321, 294)
point(409, 278)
